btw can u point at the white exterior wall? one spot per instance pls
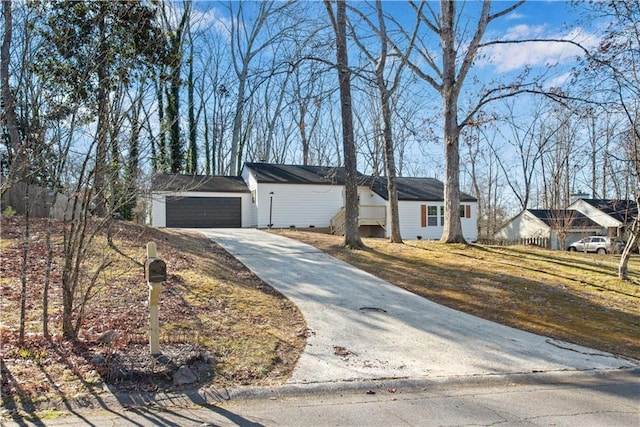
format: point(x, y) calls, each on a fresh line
point(470, 225)
point(367, 197)
point(411, 221)
point(300, 205)
point(596, 215)
point(525, 225)
point(411, 218)
point(159, 212)
point(251, 182)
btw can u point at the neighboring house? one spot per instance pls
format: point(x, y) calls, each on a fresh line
point(584, 217)
point(615, 216)
point(284, 196)
point(557, 227)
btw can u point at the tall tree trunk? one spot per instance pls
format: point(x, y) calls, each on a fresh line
point(192, 156)
point(48, 267)
point(102, 131)
point(17, 152)
point(302, 109)
point(160, 159)
point(25, 264)
point(175, 32)
point(129, 197)
point(387, 132)
point(173, 117)
point(623, 265)
point(207, 144)
point(352, 234)
point(594, 173)
point(390, 167)
point(236, 133)
point(452, 232)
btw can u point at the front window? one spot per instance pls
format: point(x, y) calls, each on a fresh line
point(432, 216)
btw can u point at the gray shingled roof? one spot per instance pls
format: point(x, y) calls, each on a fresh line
point(199, 183)
point(298, 174)
point(564, 218)
point(622, 210)
point(427, 189)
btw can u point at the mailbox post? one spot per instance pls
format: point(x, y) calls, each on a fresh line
point(155, 271)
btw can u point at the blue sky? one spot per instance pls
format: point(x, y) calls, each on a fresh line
point(541, 19)
point(534, 19)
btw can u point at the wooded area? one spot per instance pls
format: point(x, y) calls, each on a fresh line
point(99, 96)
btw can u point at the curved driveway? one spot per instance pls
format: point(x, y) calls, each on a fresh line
point(361, 327)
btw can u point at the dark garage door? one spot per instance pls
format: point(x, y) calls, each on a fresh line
point(204, 212)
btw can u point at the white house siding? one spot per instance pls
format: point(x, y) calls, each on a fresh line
point(525, 225)
point(158, 210)
point(470, 225)
point(298, 205)
point(367, 197)
point(411, 221)
point(252, 184)
point(158, 205)
point(596, 215)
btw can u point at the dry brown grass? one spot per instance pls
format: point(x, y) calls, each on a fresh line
point(569, 296)
point(257, 335)
point(209, 299)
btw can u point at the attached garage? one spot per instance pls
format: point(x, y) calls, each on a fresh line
point(199, 201)
point(204, 212)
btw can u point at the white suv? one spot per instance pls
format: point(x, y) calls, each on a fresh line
point(597, 244)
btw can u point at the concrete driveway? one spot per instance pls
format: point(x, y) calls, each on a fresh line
point(361, 327)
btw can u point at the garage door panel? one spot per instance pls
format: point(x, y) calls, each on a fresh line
point(204, 212)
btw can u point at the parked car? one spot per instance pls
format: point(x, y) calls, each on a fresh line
point(598, 244)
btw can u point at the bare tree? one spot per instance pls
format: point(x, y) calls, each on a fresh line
point(249, 39)
point(307, 97)
point(615, 65)
point(457, 56)
point(558, 161)
point(273, 105)
point(386, 86)
point(16, 160)
point(529, 139)
point(175, 29)
point(192, 148)
point(472, 141)
point(483, 166)
point(339, 24)
point(216, 101)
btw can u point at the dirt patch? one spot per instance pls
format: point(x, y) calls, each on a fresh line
point(133, 368)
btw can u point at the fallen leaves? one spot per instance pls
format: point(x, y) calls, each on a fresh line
point(209, 299)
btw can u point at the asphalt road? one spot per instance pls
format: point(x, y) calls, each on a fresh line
point(587, 401)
